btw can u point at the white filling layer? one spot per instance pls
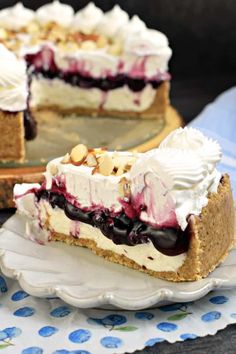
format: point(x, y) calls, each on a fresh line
point(144, 254)
point(56, 92)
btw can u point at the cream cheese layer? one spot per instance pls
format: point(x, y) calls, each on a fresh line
point(143, 254)
point(55, 92)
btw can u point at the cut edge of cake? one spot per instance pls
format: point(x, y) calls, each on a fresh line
point(210, 241)
point(12, 144)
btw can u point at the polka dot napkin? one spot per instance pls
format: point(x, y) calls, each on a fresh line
point(31, 325)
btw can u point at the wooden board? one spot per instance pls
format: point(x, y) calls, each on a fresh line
point(9, 176)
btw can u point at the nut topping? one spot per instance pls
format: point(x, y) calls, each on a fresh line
point(106, 165)
point(79, 153)
point(66, 158)
point(91, 160)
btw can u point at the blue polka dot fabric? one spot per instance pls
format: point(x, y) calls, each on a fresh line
point(32, 325)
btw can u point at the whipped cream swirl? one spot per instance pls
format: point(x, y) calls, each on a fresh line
point(176, 178)
point(112, 22)
point(134, 26)
point(15, 18)
point(13, 82)
point(87, 19)
point(56, 12)
point(146, 42)
point(192, 139)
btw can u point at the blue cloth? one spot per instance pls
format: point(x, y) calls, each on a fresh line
point(218, 121)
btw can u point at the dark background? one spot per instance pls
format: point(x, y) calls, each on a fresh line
point(202, 34)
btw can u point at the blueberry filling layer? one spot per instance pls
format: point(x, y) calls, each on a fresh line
point(49, 70)
point(121, 229)
point(104, 84)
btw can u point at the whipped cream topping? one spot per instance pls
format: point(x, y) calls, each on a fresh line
point(87, 19)
point(186, 172)
point(172, 182)
point(97, 189)
point(192, 139)
point(112, 21)
point(148, 42)
point(15, 18)
point(134, 26)
point(56, 12)
point(13, 82)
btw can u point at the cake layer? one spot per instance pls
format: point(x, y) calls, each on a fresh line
point(56, 222)
point(121, 102)
point(55, 93)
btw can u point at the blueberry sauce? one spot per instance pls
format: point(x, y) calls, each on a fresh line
point(42, 64)
point(121, 229)
point(30, 125)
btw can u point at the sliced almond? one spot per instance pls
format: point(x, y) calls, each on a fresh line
point(102, 42)
point(124, 188)
point(3, 34)
point(66, 158)
point(106, 165)
point(115, 49)
point(79, 153)
point(88, 45)
point(120, 171)
point(91, 160)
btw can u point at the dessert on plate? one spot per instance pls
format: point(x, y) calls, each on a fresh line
point(168, 212)
point(90, 62)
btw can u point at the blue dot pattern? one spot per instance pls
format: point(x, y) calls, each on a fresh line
point(113, 320)
point(47, 331)
point(80, 336)
point(47, 327)
point(61, 311)
point(167, 326)
point(218, 300)
point(3, 285)
point(12, 332)
point(111, 342)
point(144, 315)
point(24, 312)
point(19, 295)
point(32, 350)
point(211, 316)
point(152, 341)
point(185, 336)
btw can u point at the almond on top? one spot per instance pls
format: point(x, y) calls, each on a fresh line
point(79, 153)
point(105, 165)
point(66, 158)
point(91, 160)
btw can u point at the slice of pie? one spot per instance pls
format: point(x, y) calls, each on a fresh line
point(167, 212)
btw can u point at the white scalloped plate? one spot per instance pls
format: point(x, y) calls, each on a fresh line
point(82, 279)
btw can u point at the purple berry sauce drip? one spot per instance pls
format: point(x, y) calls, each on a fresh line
point(121, 229)
point(43, 65)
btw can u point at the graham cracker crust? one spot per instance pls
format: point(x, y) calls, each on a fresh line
point(211, 238)
point(12, 146)
point(157, 110)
